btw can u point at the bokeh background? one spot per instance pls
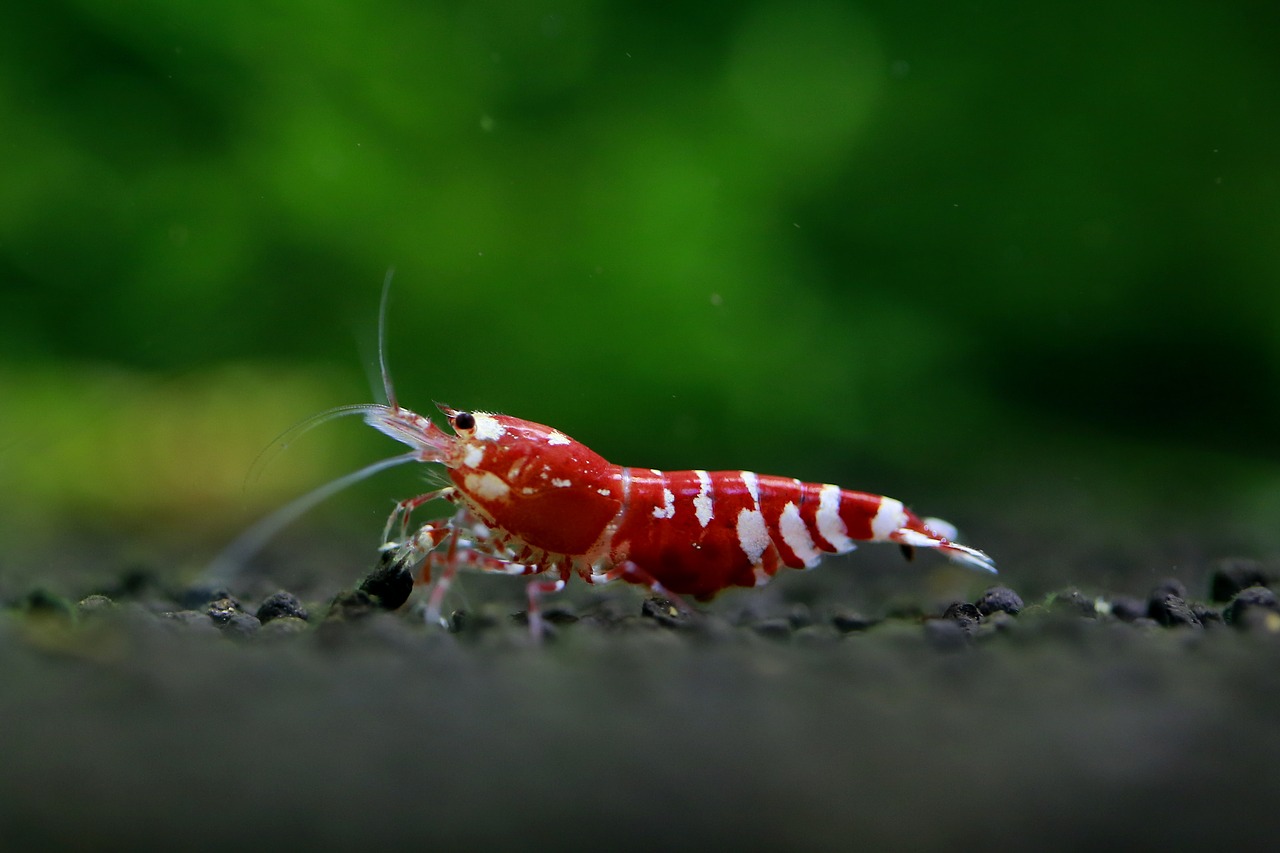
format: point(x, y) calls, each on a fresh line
point(1015, 264)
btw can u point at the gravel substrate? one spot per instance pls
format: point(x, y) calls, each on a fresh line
point(199, 719)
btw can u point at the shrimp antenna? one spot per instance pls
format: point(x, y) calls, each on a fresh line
point(228, 564)
point(281, 442)
point(382, 340)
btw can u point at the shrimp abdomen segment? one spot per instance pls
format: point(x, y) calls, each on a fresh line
point(695, 532)
point(698, 532)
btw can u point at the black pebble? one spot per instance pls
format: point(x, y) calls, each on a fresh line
point(95, 605)
point(280, 604)
point(663, 612)
point(282, 626)
point(560, 614)
point(240, 625)
point(223, 609)
point(390, 584)
point(1206, 615)
point(1072, 601)
point(1248, 599)
point(192, 620)
point(1168, 586)
point(849, 621)
point(1235, 575)
point(351, 604)
point(1129, 609)
point(967, 616)
point(999, 598)
point(775, 629)
point(1172, 610)
point(461, 621)
point(41, 602)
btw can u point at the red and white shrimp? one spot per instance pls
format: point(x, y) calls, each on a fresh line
point(530, 500)
point(550, 506)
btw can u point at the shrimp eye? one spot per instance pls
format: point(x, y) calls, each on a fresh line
point(464, 420)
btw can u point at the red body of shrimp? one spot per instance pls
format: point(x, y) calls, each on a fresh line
point(549, 504)
point(532, 501)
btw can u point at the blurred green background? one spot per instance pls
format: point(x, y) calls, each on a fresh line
point(1015, 264)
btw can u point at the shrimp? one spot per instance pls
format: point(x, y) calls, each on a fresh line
point(531, 501)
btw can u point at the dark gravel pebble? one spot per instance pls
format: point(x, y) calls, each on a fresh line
point(1071, 601)
point(1254, 598)
point(41, 602)
point(999, 598)
point(1129, 609)
point(1172, 610)
point(282, 626)
point(390, 584)
point(1168, 586)
point(848, 621)
point(778, 628)
point(816, 635)
point(95, 605)
point(223, 610)
point(240, 626)
point(998, 622)
point(470, 621)
point(1259, 619)
point(1232, 576)
point(967, 616)
point(1207, 615)
point(350, 605)
point(560, 614)
point(281, 604)
point(664, 612)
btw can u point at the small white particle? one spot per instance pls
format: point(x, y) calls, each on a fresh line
point(753, 536)
point(655, 472)
point(604, 492)
point(487, 427)
point(473, 457)
point(830, 524)
point(561, 484)
point(557, 437)
point(702, 503)
point(668, 510)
